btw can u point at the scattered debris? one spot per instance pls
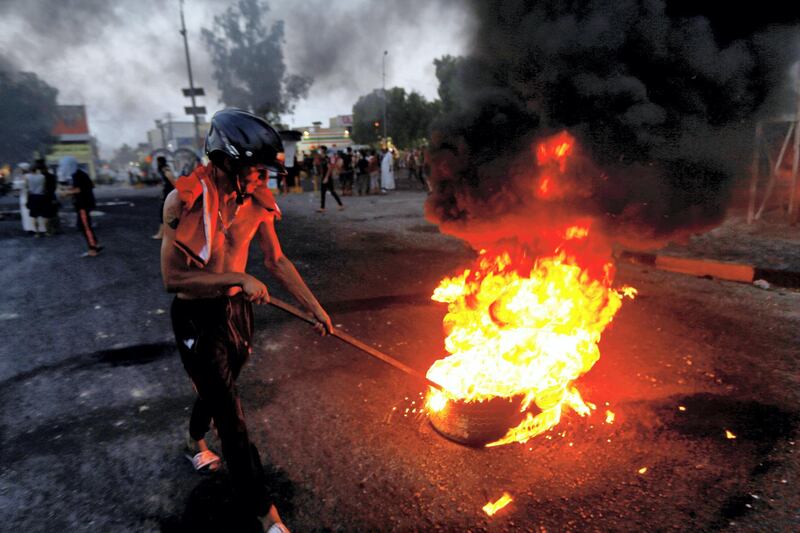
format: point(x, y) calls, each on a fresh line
point(761, 284)
point(492, 507)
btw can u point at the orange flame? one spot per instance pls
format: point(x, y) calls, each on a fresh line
point(544, 186)
point(555, 149)
point(552, 154)
point(522, 328)
point(576, 232)
point(492, 507)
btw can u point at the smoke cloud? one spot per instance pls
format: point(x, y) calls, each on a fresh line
point(125, 60)
point(346, 43)
point(662, 103)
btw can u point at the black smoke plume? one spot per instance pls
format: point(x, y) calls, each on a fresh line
point(661, 97)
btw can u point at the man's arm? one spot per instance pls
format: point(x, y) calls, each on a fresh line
point(178, 276)
point(282, 268)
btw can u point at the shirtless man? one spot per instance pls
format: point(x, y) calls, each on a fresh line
point(210, 220)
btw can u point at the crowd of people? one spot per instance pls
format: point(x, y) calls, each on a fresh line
point(40, 200)
point(351, 172)
point(354, 172)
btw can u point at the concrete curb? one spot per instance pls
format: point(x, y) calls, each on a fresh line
point(715, 269)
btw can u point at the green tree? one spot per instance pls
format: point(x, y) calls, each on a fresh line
point(408, 117)
point(27, 114)
point(248, 61)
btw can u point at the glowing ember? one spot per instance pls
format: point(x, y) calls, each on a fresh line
point(643, 470)
point(729, 435)
point(610, 417)
point(492, 507)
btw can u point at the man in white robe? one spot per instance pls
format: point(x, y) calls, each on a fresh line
point(387, 171)
point(24, 213)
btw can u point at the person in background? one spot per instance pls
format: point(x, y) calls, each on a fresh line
point(50, 204)
point(346, 172)
point(362, 181)
point(414, 166)
point(82, 192)
point(424, 170)
point(168, 185)
point(319, 166)
point(387, 171)
point(36, 200)
point(331, 172)
point(24, 213)
point(374, 170)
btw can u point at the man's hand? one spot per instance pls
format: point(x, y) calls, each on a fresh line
point(323, 325)
point(254, 290)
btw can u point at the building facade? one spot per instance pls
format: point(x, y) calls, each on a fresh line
point(71, 130)
point(172, 134)
point(335, 137)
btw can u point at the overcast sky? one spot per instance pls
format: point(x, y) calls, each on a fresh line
point(125, 60)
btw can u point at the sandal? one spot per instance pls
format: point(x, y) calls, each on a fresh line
point(205, 461)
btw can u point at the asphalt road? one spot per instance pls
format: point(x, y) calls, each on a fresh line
point(94, 401)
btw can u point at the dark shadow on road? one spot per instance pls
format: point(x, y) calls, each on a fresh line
point(136, 355)
point(753, 423)
point(67, 436)
point(758, 429)
point(210, 506)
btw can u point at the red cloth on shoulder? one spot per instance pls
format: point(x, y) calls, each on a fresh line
point(200, 212)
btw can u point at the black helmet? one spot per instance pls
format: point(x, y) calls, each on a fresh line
point(244, 138)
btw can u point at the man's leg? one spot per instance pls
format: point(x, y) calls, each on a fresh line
point(200, 420)
point(336, 196)
point(187, 336)
point(214, 380)
point(85, 225)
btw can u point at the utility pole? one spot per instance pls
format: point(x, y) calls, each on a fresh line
point(385, 53)
point(191, 82)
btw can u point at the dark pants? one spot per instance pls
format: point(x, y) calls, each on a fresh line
point(213, 337)
point(328, 187)
point(85, 225)
point(362, 182)
point(347, 182)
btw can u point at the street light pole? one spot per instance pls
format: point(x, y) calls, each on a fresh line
point(385, 53)
point(191, 81)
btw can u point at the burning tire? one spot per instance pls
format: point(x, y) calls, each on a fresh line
point(477, 423)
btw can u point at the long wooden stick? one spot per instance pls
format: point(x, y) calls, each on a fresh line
point(352, 341)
